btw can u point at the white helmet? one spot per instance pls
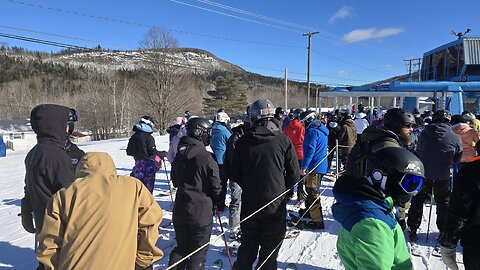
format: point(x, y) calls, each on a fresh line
point(222, 117)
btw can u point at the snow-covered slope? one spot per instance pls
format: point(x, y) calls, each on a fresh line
point(309, 250)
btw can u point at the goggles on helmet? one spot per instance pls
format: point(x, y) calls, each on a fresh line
point(411, 183)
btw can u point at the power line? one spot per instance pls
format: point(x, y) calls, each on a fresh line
point(45, 42)
point(233, 16)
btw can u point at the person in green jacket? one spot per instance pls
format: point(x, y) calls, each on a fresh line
point(370, 237)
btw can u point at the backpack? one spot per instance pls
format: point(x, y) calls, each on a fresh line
point(357, 159)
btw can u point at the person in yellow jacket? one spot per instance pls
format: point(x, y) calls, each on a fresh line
point(101, 221)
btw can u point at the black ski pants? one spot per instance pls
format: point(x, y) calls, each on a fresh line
point(190, 237)
point(441, 192)
point(264, 233)
point(471, 257)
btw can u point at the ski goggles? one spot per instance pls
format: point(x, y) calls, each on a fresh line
point(411, 183)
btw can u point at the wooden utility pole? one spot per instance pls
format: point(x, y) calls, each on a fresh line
point(286, 89)
point(309, 34)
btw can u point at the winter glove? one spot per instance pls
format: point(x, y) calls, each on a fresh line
point(162, 154)
point(449, 257)
point(27, 217)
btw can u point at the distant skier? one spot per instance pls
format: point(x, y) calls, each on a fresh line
point(101, 221)
point(48, 167)
point(347, 136)
point(195, 174)
point(315, 163)
point(265, 165)
point(218, 143)
point(279, 116)
point(175, 131)
point(439, 148)
point(370, 237)
point(141, 146)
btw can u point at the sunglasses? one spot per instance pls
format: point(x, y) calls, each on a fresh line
point(411, 183)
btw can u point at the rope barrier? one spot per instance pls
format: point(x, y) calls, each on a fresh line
point(254, 213)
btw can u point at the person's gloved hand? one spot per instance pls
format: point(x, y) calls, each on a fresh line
point(449, 257)
point(162, 154)
point(27, 216)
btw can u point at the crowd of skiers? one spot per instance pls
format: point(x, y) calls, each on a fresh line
point(78, 207)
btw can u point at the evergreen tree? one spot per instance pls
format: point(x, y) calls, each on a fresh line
point(230, 93)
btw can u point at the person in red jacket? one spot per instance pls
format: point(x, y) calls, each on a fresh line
point(295, 131)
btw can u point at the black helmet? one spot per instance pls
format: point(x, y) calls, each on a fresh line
point(443, 116)
point(148, 120)
point(72, 118)
point(307, 115)
point(200, 129)
point(395, 171)
point(396, 117)
point(296, 113)
point(279, 111)
point(261, 109)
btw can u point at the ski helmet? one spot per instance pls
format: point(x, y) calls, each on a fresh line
point(396, 117)
point(468, 116)
point(261, 109)
point(148, 120)
point(279, 112)
point(296, 113)
point(222, 117)
point(395, 171)
point(442, 116)
point(307, 116)
point(200, 129)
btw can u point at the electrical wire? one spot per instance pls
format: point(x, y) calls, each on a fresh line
point(45, 42)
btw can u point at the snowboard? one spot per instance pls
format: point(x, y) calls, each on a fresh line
point(232, 248)
point(165, 223)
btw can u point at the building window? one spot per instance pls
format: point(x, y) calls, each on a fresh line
point(17, 136)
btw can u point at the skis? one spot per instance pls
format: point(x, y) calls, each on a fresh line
point(415, 249)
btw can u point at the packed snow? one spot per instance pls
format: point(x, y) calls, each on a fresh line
point(309, 250)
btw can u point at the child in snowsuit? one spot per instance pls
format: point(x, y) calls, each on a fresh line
point(142, 147)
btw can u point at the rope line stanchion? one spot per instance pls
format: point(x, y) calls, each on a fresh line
point(251, 215)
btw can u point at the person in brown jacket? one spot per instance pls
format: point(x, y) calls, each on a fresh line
point(347, 136)
point(101, 221)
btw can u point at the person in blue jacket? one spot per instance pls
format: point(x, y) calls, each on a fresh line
point(315, 150)
point(218, 143)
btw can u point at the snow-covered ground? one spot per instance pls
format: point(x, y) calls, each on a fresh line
point(309, 250)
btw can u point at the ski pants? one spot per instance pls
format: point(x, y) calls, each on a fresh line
point(235, 205)
point(264, 233)
point(189, 237)
point(312, 184)
point(471, 257)
point(145, 170)
point(441, 192)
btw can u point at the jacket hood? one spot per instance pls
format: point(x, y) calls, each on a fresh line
point(436, 131)
point(219, 126)
point(294, 123)
point(318, 125)
point(348, 122)
point(189, 148)
point(461, 128)
point(143, 127)
point(372, 133)
point(360, 115)
point(96, 163)
point(49, 122)
point(262, 132)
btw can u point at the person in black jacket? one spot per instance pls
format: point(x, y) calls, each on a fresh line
point(142, 147)
point(462, 220)
point(265, 165)
point(438, 148)
point(195, 174)
point(72, 149)
point(47, 166)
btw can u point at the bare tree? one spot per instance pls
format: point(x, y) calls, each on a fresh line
point(163, 79)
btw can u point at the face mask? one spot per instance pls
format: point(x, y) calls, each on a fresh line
point(333, 124)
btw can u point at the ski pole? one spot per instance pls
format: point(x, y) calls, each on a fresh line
point(168, 180)
point(430, 213)
point(224, 238)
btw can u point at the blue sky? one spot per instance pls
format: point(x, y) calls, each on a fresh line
point(359, 41)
